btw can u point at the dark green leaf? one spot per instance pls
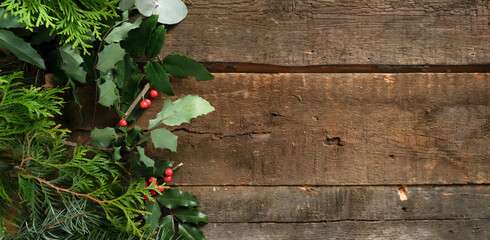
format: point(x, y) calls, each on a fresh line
point(154, 218)
point(20, 48)
point(183, 67)
point(76, 99)
point(158, 77)
point(71, 63)
point(108, 93)
point(138, 38)
point(4, 167)
point(119, 33)
point(191, 215)
point(143, 158)
point(117, 153)
point(133, 135)
point(181, 111)
point(43, 36)
point(157, 171)
point(103, 137)
point(167, 228)
point(111, 54)
point(173, 198)
point(189, 232)
point(127, 78)
point(9, 21)
point(156, 42)
point(164, 139)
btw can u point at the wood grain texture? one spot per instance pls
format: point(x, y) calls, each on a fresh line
point(402, 230)
point(279, 204)
point(335, 129)
point(319, 32)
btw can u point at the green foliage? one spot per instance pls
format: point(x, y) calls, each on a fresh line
point(181, 111)
point(71, 63)
point(183, 67)
point(20, 48)
point(77, 22)
point(174, 198)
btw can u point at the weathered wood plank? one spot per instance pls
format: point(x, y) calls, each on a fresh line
point(336, 129)
point(315, 32)
point(403, 230)
point(238, 204)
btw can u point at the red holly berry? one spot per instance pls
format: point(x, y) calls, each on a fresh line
point(153, 93)
point(145, 197)
point(169, 172)
point(161, 188)
point(167, 179)
point(148, 101)
point(152, 179)
point(123, 123)
point(146, 184)
point(152, 192)
point(144, 104)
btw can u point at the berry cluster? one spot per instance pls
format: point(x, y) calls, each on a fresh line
point(161, 188)
point(143, 104)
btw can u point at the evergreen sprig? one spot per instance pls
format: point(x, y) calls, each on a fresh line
point(75, 21)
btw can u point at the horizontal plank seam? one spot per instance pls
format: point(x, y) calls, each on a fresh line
point(230, 67)
point(346, 185)
point(360, 220)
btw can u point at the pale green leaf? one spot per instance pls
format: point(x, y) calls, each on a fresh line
point(170, 11)
point(158, 78)
point(143, 158)
point(163, 138)
point(111, 54)
point(121, 32)
point(189, 232)
point(103, 137)
point(108, 93)
point(71, 63)
point(181, 111)
point(21, 49)
point(126, 4)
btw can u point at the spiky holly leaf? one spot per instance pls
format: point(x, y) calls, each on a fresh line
point(183, 67)
point(174, 198)
point(158, 78)
point(143, 158)
point(108, 93)
point(111, 54)
point(127, 78)
point(167, 228)
point(164, 139)
point(121, 32)
point(103, 137)
point(191, 215)
point(181, 111)
point(71, 63)
point(138, 38)
point(189, 232)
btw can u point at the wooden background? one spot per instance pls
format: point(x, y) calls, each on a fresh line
point(326, 110)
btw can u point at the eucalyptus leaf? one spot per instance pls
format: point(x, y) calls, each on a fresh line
point(126, 4)
point(144, 159)
point(111, 54)
point(170, 11)
point(158, 77)
point(145, 7)
point(21, 49)
point(183, 67)
point(191, 215)
point(174, 198)
point(164, 139)
point(189, 232)
point(181, 111)
point(103, 137)
point(71, 63)
point(121, 32)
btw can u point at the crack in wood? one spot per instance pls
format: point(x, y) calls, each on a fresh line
point(221, 135)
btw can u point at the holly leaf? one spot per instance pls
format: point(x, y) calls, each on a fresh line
point(143, 158)
point(111, 54)
point(127, 78)
point(108, 93)
point(181, 111)
point(164, 139)
point(157, 171)
point(71, 63)
point(158, 78)
point(21, 49)
point(191, 215)
point(174, 198)
point(167, 228)
point(154, 218)
point(133, 135)
point(10, 21)
point(117, 153)
point(103, 137)
point(138, 38)
point(121, 32)
point(189, 232)
point(156, 42)
point(183, 67)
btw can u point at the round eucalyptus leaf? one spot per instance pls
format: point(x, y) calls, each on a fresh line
point(170, 11)
point(146, 7)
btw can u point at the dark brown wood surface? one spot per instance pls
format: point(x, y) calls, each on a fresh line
point(402, 230)
point(335, 129)
point(319, 32)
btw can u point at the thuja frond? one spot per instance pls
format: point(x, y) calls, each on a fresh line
point(76, 21)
